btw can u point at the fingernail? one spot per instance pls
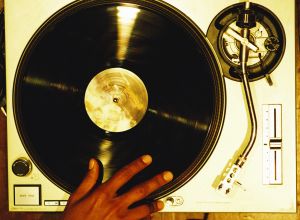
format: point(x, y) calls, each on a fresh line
point(147, 159)
point(91, 164)
point(160, 205)
point(167, 175)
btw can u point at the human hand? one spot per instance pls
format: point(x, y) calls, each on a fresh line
point(102, 202)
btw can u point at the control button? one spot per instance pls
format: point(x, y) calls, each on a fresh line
point(27, 195)
point(170, 201)
point(63, 202)
point(21, 167)
point(174, 201)
point(51, 203)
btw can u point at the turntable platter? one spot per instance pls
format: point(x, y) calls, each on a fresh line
point(178, 124)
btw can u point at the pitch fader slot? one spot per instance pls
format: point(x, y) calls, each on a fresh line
point(272, 144)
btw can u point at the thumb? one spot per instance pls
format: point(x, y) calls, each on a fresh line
point(87, 184)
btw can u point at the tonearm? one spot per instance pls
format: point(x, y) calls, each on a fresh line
point(245, 20)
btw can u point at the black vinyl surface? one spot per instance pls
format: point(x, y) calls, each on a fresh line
point(164, 49)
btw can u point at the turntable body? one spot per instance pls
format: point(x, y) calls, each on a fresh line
point(35, 192)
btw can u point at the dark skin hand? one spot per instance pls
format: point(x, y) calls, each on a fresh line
point(102, 202)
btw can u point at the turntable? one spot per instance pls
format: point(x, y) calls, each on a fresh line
point(207, 88)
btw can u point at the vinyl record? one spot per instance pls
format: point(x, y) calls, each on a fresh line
point(144, 60)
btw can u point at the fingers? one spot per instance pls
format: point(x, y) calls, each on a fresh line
point(88, 182)
point(144, 189)
point(125, 174)
point(144, 211)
